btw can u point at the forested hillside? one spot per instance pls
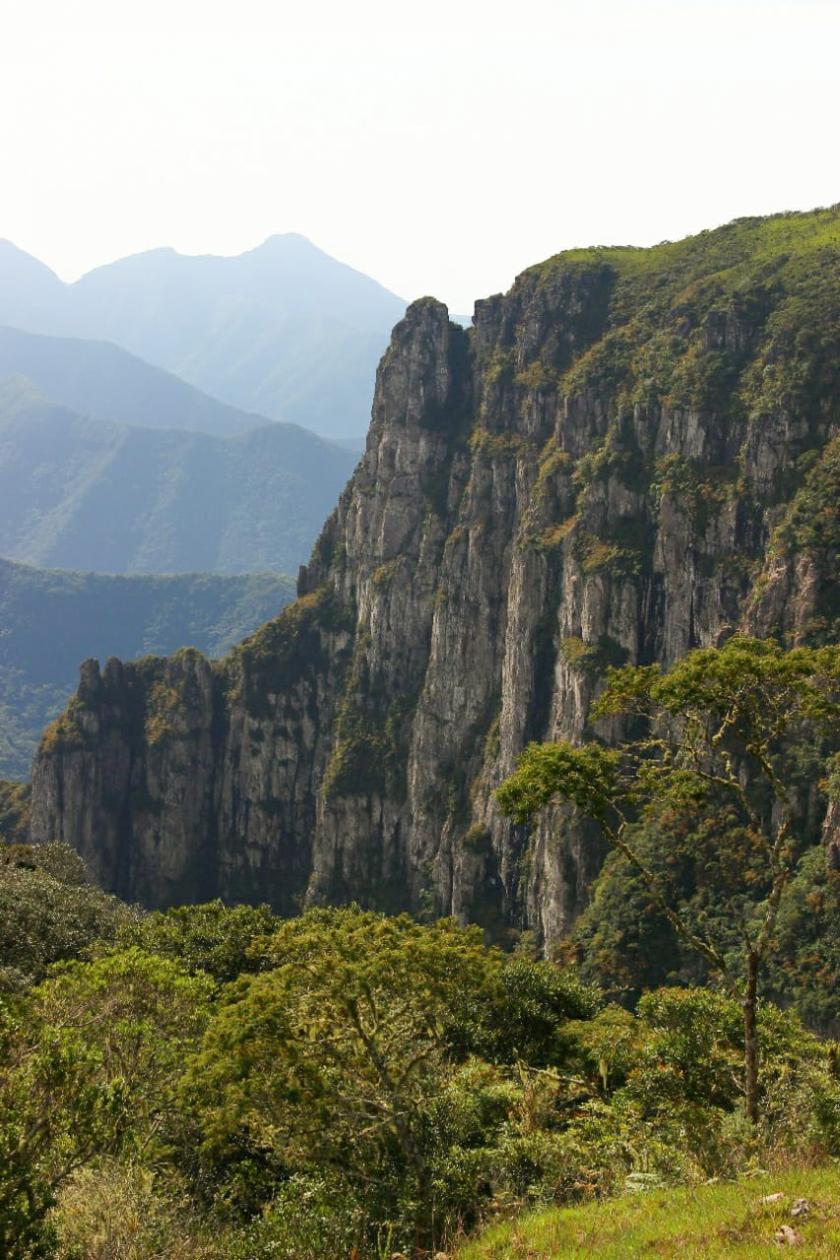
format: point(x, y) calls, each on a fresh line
point(215, 1084)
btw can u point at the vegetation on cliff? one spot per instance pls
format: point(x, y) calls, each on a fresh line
point(742, 318)
point(54, 619)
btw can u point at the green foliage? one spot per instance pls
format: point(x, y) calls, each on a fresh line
point(124, 1209)
point(346, 1084)
point(812, 523)
point(55, 859)
point(592, 658)
point(313, 1216)
point(346, 1029)
point(356, 1052)
point(734, 731)
point(139, 1015)
point(54, 1115)
point(213, 938)
point(14, 812)
point(811, 527)
point(526, 1019)
point(735, 319)
point(735, 738)
point(675, 1066)
point(48, 913)
point(805, 967)
point(282, 651)
point(88, 1070)
point(588, 777)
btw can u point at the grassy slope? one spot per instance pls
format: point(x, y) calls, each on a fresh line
point(702, 1223)
point(53, 619)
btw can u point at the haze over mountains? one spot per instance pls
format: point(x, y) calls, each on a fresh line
point(83, 493)
point(99, 379)
point(112, 463)
point(283, 330)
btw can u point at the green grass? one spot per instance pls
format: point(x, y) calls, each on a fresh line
point(741, 246)
point(701, 1223)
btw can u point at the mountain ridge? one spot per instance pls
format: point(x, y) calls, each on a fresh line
point(82, 493)
point(282, 330)
point(598, 471)
point(107, 383)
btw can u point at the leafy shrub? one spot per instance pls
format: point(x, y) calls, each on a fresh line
point(48, 913)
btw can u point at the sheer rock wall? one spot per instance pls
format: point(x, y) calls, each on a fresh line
point(504, 539)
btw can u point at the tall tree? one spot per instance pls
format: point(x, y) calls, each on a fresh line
point(331, 1057)
point(741, 729)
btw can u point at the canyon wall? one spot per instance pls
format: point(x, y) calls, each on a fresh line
point(607, 467)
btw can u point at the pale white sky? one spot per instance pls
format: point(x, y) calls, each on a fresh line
point(441, 146)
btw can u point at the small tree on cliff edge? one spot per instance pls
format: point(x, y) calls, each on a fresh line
point(739, 729)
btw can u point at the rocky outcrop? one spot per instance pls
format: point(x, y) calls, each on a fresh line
point(541, 496)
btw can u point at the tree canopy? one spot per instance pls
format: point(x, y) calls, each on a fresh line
point(730, 743)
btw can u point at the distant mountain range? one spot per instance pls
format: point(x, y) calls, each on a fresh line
point(283, 330)
point(98, 379)
point(52, 620)
point(81, 493)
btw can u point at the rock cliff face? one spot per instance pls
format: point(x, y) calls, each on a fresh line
point(607, 467)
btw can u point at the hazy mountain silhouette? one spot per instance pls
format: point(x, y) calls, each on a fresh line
point(99, 379)
point(81, 493)
point(283, 330)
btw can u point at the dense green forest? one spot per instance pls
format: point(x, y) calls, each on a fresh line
point(215, 1083)
point(103, 616)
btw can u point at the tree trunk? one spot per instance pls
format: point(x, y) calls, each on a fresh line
point(751, 1039)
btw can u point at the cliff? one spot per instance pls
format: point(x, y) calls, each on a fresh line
point(622, 459)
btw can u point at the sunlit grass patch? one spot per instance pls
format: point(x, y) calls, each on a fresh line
point(699, 1223)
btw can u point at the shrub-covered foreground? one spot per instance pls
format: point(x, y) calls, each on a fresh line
point(215, 1084)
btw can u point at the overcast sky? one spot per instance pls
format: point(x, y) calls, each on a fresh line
point(439, 146)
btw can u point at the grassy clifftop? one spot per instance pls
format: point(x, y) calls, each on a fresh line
point(681, 317)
